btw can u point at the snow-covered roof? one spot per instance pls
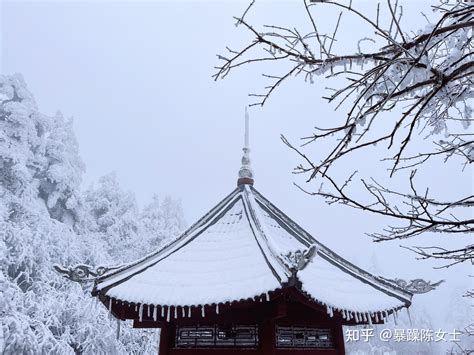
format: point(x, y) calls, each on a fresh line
point(245, 248)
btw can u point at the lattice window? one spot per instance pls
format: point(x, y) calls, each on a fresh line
point(303, 337)
point(229, 336)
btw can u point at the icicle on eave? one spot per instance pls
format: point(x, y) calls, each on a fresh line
point(364, 316)
point(217, 308)
point(140, 312)
point(110, 309)
point(329, 310)
point(162, 312)
point(183, 312)
point(118, 329)
point(203, 312)
point(189, 311)
point(175, 312)
point(409, 316)
point(155, 313)
point(168, 313)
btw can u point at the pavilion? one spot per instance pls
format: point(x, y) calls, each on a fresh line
point(247, 277)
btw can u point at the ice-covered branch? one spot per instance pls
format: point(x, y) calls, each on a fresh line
point(426, 78)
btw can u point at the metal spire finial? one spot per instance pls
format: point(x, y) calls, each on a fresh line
point(245, 171)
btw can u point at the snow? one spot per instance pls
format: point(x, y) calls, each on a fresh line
point(281, 241)
point(236, 252)
point(223, 263)
point(332, 285)
point(46, 219)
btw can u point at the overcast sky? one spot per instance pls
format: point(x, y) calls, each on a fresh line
point(136, 77)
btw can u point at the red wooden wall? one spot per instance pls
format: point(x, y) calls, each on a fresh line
point(285, 308)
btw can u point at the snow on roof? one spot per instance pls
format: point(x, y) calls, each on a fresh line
point(243, 248)
point(331, 285)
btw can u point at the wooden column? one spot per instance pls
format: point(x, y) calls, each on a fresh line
point(339, 340)
point(166, 334)
point(267, 339)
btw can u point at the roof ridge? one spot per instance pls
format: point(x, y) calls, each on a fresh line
point(276, 264)
point(327, 252)
point(286, 248)
point(188, 233)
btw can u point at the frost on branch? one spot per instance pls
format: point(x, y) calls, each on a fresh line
point(399, 86)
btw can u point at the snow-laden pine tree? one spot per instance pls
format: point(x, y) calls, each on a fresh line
point(62, 177)
point(114, 219)
point(40, 313)
point(161, 220)
point(44, 220)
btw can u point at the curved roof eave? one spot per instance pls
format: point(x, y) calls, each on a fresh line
point(330, 255)
point(165, 250)
point(253, 201)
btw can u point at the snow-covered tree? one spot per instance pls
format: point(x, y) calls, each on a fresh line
point(45, 220)
point(161, 220)
point(37, 308)
point(114, 215)
point(62, 178)
point(38, 154)
point(395, 84)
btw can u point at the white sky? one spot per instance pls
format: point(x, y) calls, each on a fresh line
point(136, 77)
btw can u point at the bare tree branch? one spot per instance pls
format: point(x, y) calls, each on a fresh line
point(428, 75)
